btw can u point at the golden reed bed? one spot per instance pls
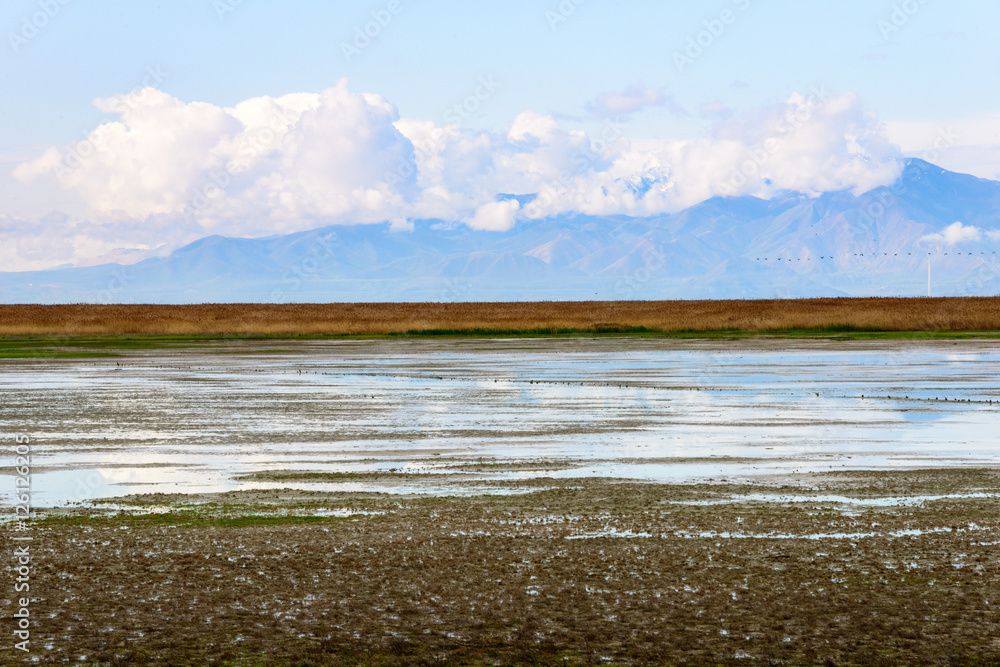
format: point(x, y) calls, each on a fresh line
point(882, 314)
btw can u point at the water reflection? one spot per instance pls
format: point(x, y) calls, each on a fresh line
point(193, 420)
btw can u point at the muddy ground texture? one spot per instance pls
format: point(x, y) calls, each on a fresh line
point(562, 572)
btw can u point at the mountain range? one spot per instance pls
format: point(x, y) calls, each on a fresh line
point(879, 243)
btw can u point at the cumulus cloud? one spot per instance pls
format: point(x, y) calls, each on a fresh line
point(328, 154)
point(956, 232)
point(170, 171)
point(530, 124)
point(811, 143)
point(495, 217)
point(632, 100)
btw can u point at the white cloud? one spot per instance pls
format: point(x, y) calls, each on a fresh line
point(494, 217)
point(169, 171)
point(811, 143)
point(401, 225)
point(805, 144)
point(632, 100)
point(145, 163)
point(326, 154)
point(956, 232)
point(530, 124)
point(965, 145)
point(56, 239)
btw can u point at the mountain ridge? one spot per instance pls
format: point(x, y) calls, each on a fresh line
point(836, 244)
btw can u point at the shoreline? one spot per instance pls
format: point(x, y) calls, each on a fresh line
point(81, 346)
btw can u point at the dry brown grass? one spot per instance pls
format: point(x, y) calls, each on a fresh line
point(882, 314)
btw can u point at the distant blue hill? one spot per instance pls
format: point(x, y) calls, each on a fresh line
point(790, 246)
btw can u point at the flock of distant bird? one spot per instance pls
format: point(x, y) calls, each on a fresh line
point(861, 254)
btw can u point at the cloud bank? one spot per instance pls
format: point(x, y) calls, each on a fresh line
point(169, 171)
point(632, 100)
point(956, 233)
point(967, 145)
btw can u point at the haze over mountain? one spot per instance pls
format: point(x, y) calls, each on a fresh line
point(792, 245)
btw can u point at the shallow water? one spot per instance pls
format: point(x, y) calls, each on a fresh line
point(190, 420)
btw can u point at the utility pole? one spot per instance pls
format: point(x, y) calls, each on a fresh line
point(928, 274)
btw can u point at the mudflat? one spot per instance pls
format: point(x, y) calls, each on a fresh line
point(545, 501)
point(833, 568)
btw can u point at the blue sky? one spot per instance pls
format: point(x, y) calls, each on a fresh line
point(919, 68)
point(936, 67)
